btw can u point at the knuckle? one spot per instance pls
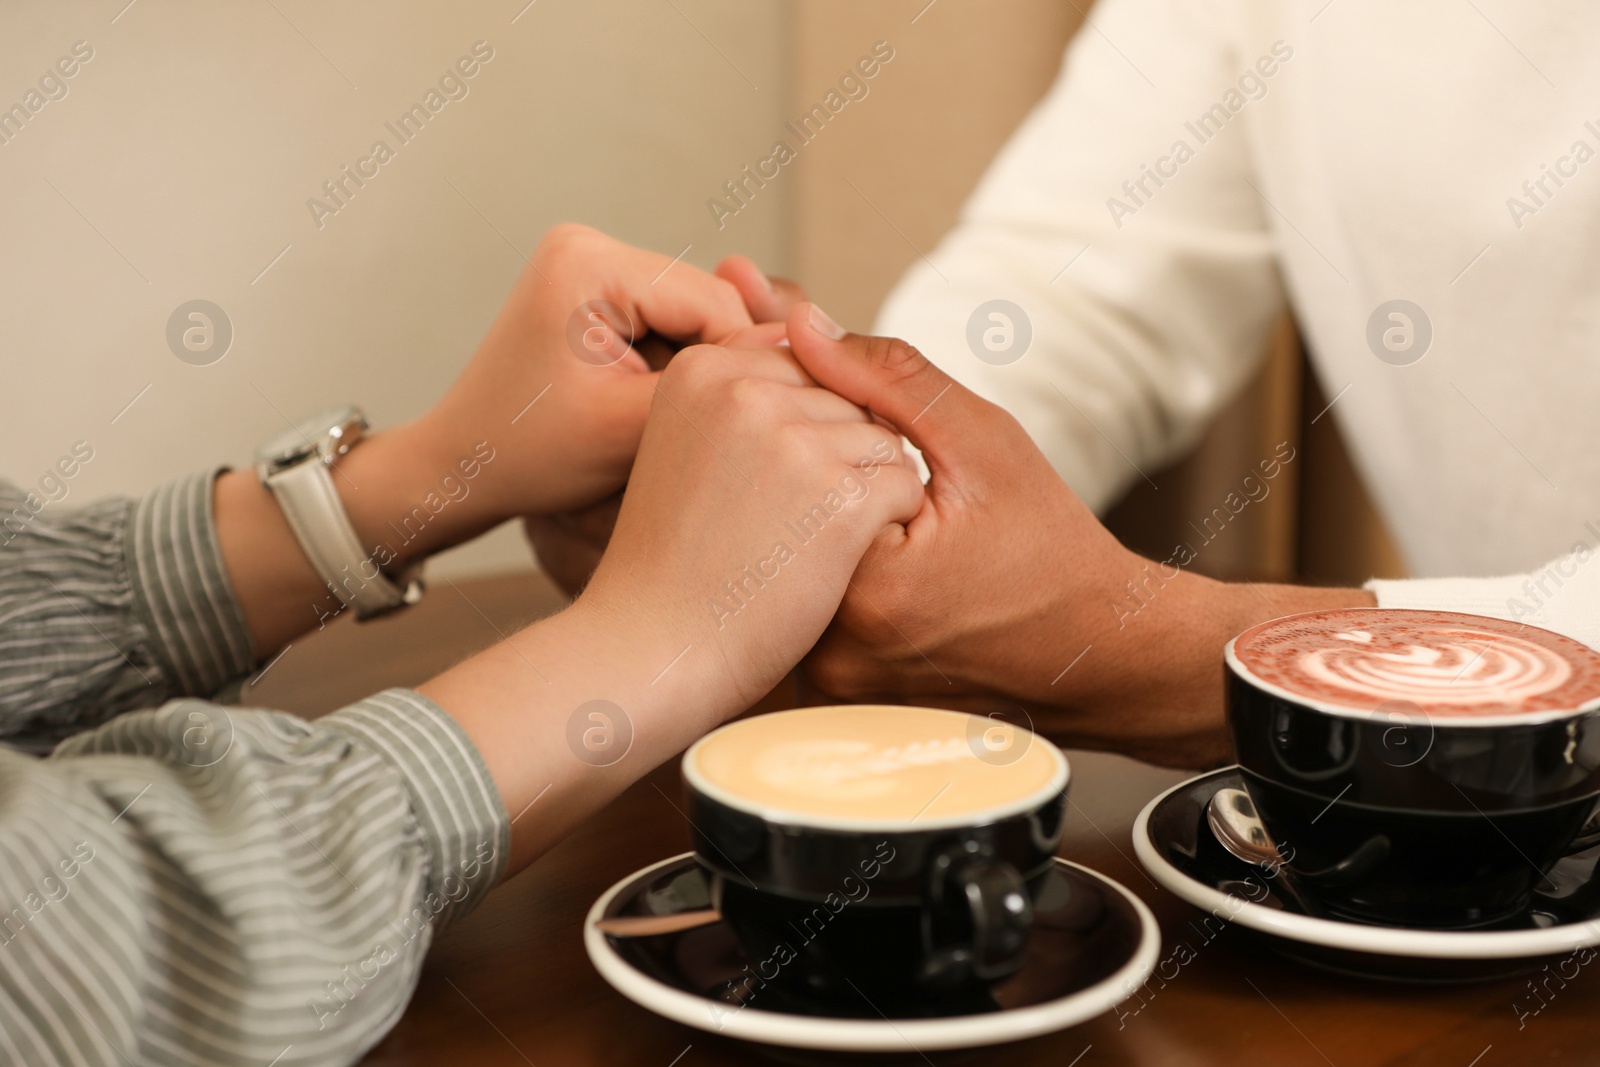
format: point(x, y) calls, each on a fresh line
point(901, 484)
point(797, 443)
point(904, 365)
point(898, 357)
point(566, 238)
point(694, 368)
point(750, 396)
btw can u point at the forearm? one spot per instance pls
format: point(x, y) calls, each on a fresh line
point(408, 494)
point(1151, 685)
point(553, 763)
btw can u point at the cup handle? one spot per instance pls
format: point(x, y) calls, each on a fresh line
point(990, 903)
point(1001, 916)
point(1589, 835)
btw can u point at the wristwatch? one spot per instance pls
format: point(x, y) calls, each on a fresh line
point(296, 466)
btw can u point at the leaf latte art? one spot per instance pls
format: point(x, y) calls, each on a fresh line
point(867, 763)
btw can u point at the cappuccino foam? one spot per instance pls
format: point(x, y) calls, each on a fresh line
point(875, 764)
point(1444, 663)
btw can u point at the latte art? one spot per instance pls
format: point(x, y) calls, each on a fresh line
point(871, 764)
point(853, 769)
point(1459, 666)
point(1441, 662)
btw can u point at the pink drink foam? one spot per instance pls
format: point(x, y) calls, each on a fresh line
point(1445, 663)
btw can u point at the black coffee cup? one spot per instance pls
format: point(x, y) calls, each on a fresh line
point(873, 913)
point(1387, 812)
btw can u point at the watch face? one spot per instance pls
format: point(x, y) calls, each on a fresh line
point(328, 433)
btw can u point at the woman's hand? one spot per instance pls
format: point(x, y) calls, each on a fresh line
point(546, 417)
point(753, 498)
point(569, 544)
point(560, 387)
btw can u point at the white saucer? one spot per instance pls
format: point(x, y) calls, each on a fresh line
point(1175, 845)
point(656, 972)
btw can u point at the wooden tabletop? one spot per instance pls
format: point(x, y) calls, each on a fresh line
point(511, 983)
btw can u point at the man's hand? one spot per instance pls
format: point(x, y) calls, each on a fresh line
point(1005, 584)
point(569, 544)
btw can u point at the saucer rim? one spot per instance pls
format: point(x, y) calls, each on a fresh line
point(1347, 934)
point(873, 1035)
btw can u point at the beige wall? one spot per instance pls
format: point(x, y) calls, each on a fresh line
point(888, 177)
point(192, 140)
point(180, 162)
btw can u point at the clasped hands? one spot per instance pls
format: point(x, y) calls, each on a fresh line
point(751, 455)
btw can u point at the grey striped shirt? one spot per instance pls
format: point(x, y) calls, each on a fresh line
point(195, 884)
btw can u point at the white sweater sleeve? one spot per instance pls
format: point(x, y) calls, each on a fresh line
point(1163, 312)
point(1563, 595)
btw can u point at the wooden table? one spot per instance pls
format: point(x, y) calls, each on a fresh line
point(511, 984)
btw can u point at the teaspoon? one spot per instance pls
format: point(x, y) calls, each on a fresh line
point(655, 925)
point(1233, 820)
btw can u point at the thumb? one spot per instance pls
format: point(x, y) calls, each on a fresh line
point(894, 381)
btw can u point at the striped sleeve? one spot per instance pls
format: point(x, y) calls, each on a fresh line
point(200, 885)
point(112, 606)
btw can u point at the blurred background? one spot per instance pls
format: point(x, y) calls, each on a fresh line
point(176, 164)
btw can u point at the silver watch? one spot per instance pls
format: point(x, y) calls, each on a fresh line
point(296, 466)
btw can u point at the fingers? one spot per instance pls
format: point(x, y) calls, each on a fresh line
point(657, 292)
point(593, 523)
point(893, 380)
point(657, 350)
point(683, 301)
point(819, 405)
point(871, 451)
point(768, 299)
point(761, 335)
point(773, 364)
point(567, 558)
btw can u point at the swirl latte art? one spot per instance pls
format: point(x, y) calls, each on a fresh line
point(1442, 662)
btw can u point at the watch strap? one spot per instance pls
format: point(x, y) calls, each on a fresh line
point(306, 494)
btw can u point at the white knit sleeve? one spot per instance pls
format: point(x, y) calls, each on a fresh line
point(1148, 303)
point(1563, 595)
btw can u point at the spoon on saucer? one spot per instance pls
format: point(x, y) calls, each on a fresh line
point(1231, 814)
point(655, 925)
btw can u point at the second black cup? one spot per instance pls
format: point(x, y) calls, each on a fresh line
point(1417, 768)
